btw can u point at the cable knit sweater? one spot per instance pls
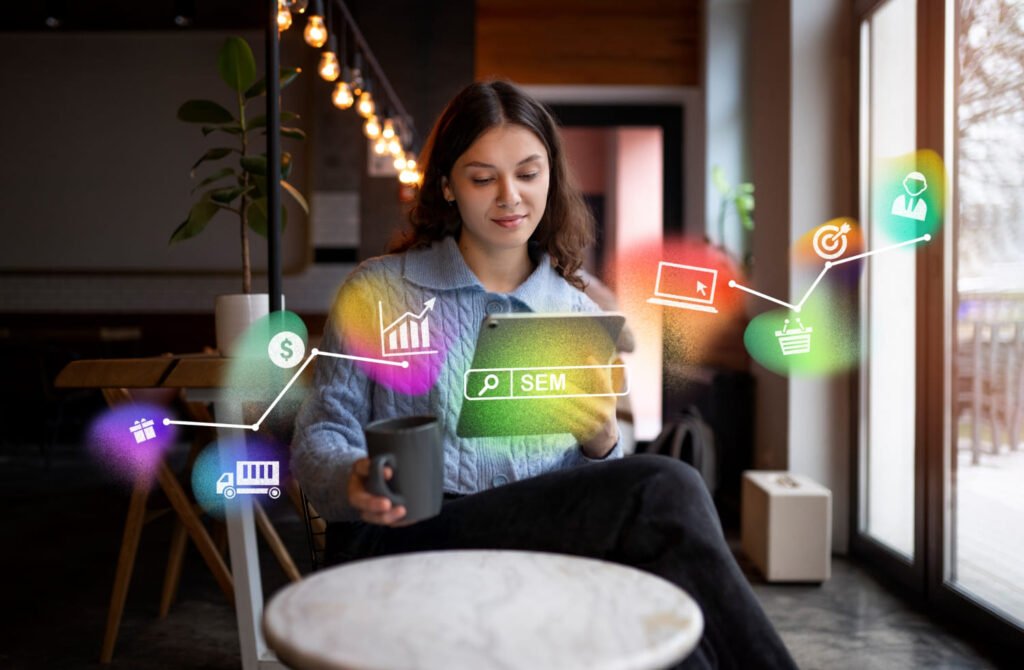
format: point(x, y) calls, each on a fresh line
point(328, 431)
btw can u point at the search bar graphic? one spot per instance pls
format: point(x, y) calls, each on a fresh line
point(538, 383)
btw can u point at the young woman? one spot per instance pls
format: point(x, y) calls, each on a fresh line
point(498, 227)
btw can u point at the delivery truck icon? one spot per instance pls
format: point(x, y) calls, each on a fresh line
point(252, 477)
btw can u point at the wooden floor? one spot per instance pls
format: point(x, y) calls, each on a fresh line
point(988, 535)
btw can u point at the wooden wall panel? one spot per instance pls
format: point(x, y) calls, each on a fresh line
point(638, 42)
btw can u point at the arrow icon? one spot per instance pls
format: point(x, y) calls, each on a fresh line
point(702, 288)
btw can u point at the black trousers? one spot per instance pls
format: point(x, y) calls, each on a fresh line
point(650, 512)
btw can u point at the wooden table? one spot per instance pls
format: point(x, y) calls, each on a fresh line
point(482, 609)
point(200, 376)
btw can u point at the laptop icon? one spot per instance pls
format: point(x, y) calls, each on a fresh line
point(685, 286)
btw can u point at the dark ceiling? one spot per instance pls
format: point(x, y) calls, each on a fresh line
point(103, 15)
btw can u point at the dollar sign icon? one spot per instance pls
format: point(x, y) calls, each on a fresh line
point(286, 349)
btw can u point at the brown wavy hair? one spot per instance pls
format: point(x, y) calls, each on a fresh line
point(567, 226)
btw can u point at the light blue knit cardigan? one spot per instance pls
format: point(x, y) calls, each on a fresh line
point(328, 431)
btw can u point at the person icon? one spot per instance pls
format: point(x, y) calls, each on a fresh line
point(911, 206)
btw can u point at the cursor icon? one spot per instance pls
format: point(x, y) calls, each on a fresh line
point(702, 288)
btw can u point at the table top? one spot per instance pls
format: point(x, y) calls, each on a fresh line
point(170, 371)
point(482, 609)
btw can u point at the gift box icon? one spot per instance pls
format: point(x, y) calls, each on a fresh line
point(143, 430)
point(796, 341)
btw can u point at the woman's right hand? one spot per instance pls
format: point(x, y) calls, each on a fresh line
point(373, 508)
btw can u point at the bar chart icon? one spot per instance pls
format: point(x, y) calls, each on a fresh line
point(409, 334)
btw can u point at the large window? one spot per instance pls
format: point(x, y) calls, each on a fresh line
point(986, 542)
point(888, 304)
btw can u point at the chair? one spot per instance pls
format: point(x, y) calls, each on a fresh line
point(186, 524)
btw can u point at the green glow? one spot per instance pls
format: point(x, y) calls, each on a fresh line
point(890, 175)
point(834, 345)
point(253, 379)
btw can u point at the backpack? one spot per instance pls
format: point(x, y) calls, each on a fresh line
point(691, 440)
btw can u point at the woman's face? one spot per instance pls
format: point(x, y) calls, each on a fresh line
point(500, 185)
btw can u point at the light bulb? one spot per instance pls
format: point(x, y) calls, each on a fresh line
point(389, 130)
point(410, 164)
point(342, 96)
point(330, 69)
point(372, 127)
point(284, 19)
point(400, 162)
point(366, 105)
point(357, 82)
point(315, 32)
point(394, 146)
point(380, 147)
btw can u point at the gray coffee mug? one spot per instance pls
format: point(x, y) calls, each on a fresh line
point(411, 447)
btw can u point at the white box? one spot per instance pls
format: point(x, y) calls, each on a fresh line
point(787, 526)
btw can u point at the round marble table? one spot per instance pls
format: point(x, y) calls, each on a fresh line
point(482, 609)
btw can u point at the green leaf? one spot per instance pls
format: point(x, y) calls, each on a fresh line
point(257, 216)
point(260, 120)
point(746, 220)
point(210, 155)
point(236, 64)
point(718, 179)
point(286, 75)
point(219, 174)
point(225, 196)
point(257, 165)
point(260, 184)
point(203, 111)
point(294, 133)
point(198, 217)
point(231, 129)
point(294, 193)
point(254, 164)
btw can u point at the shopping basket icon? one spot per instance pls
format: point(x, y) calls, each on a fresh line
point(796, 341)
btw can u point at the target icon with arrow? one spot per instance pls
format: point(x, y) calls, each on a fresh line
point(830, 241)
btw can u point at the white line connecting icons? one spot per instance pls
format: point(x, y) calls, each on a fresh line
point(313, 353)
point(828, 266)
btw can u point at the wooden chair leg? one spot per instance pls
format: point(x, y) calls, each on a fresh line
point(276, 545)
point(172, 576)
point(220, 537)
point(125, 564)
point(169, 483)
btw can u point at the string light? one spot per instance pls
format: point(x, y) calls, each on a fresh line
point(342, 96)
point(351, 85)
point(329, 68)
point(372, 127)
point(284, 18)
point(357, 75)
point(366, 106)
point(315, 32)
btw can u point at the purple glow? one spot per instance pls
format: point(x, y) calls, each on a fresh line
point(124, 442)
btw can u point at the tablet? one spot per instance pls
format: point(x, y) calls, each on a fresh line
point(530, 370)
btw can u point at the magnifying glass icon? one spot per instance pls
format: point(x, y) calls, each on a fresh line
point(491, 382)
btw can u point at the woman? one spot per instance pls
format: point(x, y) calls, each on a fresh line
point(499, 227)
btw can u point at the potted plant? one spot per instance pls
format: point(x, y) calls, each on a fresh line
point(740, 199)
point(239, 185)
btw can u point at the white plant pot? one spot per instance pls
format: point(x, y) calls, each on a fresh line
point(234, 313)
